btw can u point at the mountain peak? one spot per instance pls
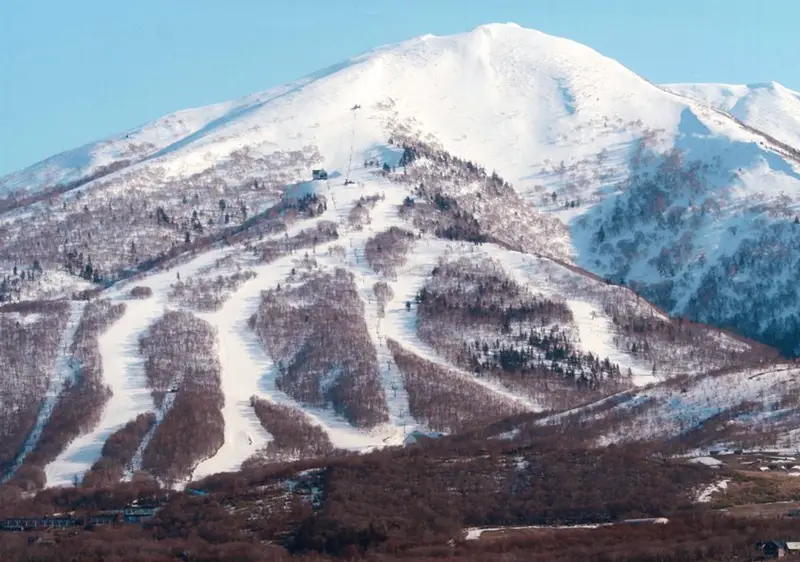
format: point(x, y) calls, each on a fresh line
point(495, 26)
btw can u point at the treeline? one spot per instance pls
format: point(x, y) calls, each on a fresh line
point(270, 250)
point(414, 503)
point(673, 197)
point(405, 498)
point(359, 215)
point(675, 345)
point(457, 199)
point(316, 333)
point(104, 234)
point(17, 200)
point(183, 373)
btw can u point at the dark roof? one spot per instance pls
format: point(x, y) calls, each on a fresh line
point(773, 544)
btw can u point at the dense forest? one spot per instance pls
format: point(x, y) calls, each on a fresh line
point(412, 503)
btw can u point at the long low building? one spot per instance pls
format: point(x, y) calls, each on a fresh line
point(129, 515)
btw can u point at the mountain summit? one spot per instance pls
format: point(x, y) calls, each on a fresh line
point(488, 90)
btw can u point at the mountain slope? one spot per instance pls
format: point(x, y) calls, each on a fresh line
point(771, 107)
point(129, 147)
point(454, 268)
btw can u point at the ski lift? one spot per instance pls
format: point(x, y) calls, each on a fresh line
point(356, 106)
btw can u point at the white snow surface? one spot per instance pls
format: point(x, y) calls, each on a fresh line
point(706, 493)
point(707, 461)
point(136, 144)
point(248, 371)
point(768, 107)
point(508, 97)
point(123, 371)
point(475, 533)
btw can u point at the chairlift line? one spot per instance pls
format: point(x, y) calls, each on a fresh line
point(352, 139)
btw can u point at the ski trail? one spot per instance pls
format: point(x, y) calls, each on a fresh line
point(401, 324)
point(244, 434)
point(161, 283)
point(409, 280)
point(123, 372)
point(391, 379)
point(341, 433)
point(596, 333)
point(248, 371)
point(595, 330)
point(63, 372)
point(383, 215)
point(160, 411)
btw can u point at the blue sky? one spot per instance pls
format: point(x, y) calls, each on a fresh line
point(75, 71)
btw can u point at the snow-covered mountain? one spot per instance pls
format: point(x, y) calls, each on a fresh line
point(771, 107)
point(452, 266)
point(118, 151)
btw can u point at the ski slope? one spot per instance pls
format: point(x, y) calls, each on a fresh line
point(123, 370)
point(558, 120)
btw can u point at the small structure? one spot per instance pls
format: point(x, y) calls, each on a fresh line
point(137, 514)
point(31, 523)
point(319, 174)
point(772, 549)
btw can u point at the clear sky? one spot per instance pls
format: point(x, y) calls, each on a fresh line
point(74, 71)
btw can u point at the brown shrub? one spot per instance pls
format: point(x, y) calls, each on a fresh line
point(208, 294)
point(485, 322)
point(387, 250)
point(118, 452)
point(270, 250)
point(181, 362)
point(30, 334)
point(294, 436)
point(383, 294)
point(442, 399)
point(141, 292)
